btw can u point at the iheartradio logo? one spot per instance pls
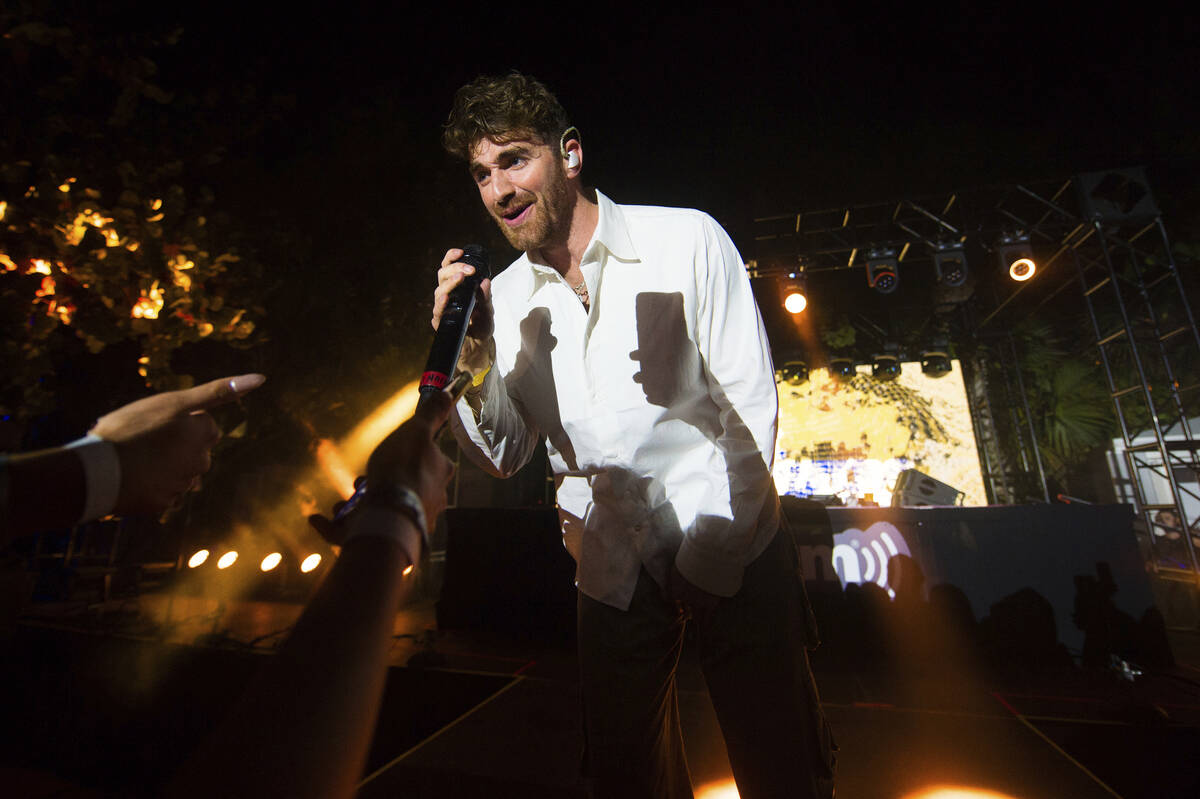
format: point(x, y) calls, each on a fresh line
point(859, 556)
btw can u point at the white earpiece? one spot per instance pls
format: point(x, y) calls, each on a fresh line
point(572, 159)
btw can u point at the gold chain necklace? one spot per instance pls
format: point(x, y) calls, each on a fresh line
point(581, 291)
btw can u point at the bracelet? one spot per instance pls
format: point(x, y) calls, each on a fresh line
point(101, 473)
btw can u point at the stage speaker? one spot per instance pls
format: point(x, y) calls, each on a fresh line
point(915, 489)
point(1117, 196)
point(506, 570)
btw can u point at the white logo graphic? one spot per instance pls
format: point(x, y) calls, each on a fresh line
point(858, 556)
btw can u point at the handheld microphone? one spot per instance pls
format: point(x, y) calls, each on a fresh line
point(448, 341)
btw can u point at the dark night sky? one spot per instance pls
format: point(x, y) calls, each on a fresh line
point(745, 112)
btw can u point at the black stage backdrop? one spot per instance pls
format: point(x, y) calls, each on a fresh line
point(991, 553)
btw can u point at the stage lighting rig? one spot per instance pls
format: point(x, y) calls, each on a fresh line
point(883, 269)
point(794, 290)
point(842, 368)
point(794, 373)
point(950, 263)
point(935, 362)
point(1016, 256)
point(885, 366)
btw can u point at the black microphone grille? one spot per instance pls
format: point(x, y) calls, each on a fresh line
point(477, 256)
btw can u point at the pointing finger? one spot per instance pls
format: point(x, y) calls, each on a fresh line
point(218, 392)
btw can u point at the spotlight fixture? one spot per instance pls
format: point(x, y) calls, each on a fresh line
point(1016, 256)
point(270, 561)
point(950, 263)
point(935, 362)
point(228, 559)
point(794, 292)
point(794, 372)
point(842, 368)
point(883, 270)
point(310, 563)
point(885, 367)
point(197, 559)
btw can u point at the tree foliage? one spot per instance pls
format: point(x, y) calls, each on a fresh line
point(104, 233)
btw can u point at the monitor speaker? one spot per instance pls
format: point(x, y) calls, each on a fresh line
point(915, 489)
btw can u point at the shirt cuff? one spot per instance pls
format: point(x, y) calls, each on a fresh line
point(102, 475)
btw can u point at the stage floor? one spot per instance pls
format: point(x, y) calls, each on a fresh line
point(105, 698)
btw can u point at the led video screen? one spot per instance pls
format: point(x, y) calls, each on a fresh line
point(852, 438)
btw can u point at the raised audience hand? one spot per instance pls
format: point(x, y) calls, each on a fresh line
point(164, 442)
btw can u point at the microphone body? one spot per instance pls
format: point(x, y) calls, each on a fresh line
point(448, 341)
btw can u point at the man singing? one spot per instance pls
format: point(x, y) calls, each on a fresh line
point(629, 338)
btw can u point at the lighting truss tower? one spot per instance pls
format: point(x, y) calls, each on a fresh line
point(1144, 330)
point(1099, 234)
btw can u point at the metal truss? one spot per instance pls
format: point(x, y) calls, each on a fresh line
point(1098, 234)
point(839, 238)
point(1143, 326)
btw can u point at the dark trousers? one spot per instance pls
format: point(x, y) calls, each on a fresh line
point(755, 662)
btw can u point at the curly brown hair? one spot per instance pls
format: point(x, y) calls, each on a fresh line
point(502, 109)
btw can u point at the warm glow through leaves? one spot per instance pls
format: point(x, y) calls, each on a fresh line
point(178, 265)
point(75, 231)
point(62, 310)
point(149, 304)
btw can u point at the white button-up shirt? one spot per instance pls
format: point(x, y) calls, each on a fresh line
point(658, 404)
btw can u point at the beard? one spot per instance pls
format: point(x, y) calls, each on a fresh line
point(550, 214)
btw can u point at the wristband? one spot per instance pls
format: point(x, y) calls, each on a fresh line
point(401, 499)
point(101, 474)
point(390, 498)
